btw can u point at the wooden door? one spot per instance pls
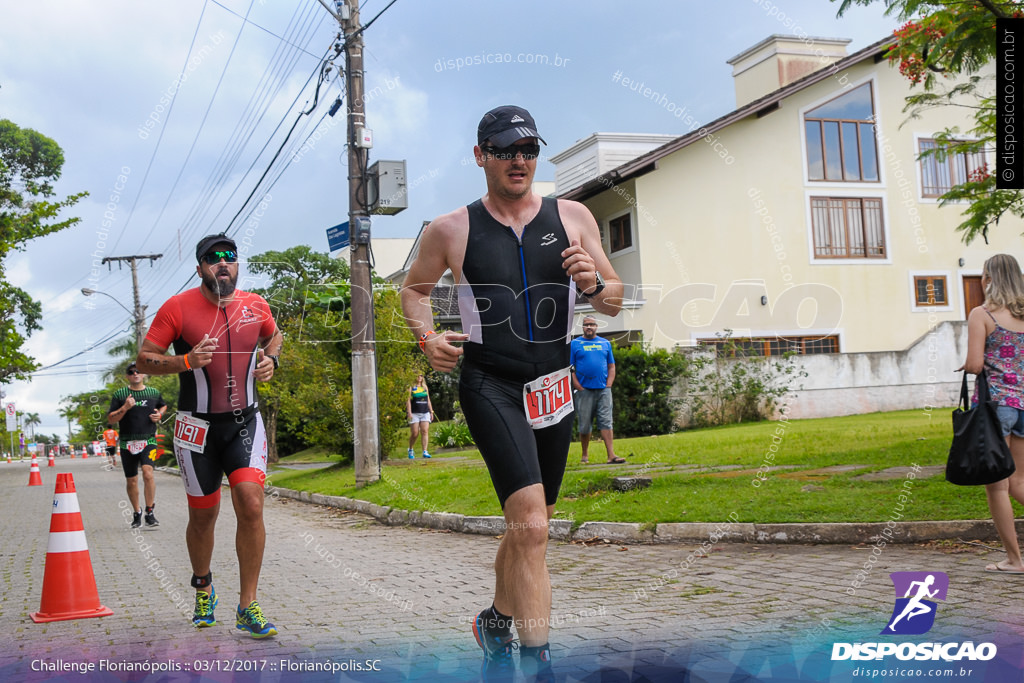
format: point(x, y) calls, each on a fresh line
point(974, 296)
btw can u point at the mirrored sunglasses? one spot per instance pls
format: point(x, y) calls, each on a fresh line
point(212, 257)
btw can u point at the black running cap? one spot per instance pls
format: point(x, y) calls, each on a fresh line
point(131, 366)
point(210, 241)
point(504, 125)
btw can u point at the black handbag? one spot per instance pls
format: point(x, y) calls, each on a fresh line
point(979, 454)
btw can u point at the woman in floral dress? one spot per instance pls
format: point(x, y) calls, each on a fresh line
point(995, 343)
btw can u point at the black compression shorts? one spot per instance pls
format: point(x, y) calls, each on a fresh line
point(130, 462)
point(235, 446)
point(111, 450)
point(517, 455)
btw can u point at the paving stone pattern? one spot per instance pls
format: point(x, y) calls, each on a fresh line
point(343, 588)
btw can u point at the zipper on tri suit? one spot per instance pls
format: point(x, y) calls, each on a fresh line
point(227, 325)
point(526, 287)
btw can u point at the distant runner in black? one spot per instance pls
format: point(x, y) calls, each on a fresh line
point(137, 409)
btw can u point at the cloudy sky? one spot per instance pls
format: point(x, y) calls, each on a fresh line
point(169, 112)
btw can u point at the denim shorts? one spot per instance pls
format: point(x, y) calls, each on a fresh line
point(585, 404)
point(1011, 419)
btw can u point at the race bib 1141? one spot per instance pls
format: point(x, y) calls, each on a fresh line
point(548, 399)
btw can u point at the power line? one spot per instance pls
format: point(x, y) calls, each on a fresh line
point(163, 129)
point(194, 224)
point(250, 21)
point(202, 124)
point(233, 151)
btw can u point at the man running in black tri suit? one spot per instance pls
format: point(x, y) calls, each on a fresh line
point(225, 340)
point(519, 261)
point(137, 410)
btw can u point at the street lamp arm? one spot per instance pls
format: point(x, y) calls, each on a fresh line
point(89, 292)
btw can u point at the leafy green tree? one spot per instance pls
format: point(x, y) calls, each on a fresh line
point(29, 164)
point(309, 401)
point(941, 48)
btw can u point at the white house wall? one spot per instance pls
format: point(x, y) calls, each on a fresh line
point(708, 250)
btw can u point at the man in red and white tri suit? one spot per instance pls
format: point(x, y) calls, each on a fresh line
point(225, 340)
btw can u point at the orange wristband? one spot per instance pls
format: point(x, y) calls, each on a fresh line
point(424, 338)
point(187, 366)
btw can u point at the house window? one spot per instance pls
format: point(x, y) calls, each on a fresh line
point(930, 290)
point(847, 227)
point(840, 138)
point(771, 346)
point(940, 172)
point(621, 233)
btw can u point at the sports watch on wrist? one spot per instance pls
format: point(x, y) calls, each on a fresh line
point(597, 290)
point(277, 363)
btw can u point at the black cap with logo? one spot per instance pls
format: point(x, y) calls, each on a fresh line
point(504, 125)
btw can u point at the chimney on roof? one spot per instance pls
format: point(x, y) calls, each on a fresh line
point(779, 60)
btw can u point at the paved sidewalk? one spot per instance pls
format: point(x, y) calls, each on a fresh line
point(344, 590)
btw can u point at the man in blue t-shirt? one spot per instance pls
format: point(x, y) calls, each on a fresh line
point(593, 376)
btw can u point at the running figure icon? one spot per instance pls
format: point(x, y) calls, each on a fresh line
point(915, 606)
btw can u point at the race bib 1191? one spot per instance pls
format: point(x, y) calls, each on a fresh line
point(190, 432)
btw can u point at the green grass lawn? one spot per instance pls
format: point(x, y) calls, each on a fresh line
point(704, 475)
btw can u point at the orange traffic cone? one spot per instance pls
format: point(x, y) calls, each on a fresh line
point(34, 477)
point(69, 586)
point(85, 452)
point(50, 462)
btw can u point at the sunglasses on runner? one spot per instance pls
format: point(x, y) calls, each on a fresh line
point(530, 151)
point(133, 372)
point(212, 257)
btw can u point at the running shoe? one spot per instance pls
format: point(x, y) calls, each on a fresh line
point(535, 664)
point(151, 518)
point(251, 619)
point(136, 520)
point(205, 603)
point(498, 662)
point(412, 456)
point(426, 455)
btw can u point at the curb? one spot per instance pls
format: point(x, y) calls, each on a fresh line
point(847, 533)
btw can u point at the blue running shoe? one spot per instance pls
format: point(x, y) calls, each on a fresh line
point(498, 664)
point(426, 455)
point(251, 619)
point(205, 604)
point(412, 456)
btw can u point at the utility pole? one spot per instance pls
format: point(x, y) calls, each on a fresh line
point(366, 426)
point(139, 310)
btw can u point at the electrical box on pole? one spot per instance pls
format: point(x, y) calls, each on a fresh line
point(388, 189)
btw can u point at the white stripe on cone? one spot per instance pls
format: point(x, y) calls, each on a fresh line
point(67, 542)
point(65, 503)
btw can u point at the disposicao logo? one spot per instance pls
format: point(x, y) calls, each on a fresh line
point(914, 614)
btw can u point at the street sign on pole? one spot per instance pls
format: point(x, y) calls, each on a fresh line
point(12, 420)
point(337, 237)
